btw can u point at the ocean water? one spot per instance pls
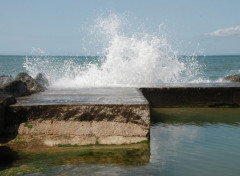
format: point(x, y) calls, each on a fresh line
point(90, 71)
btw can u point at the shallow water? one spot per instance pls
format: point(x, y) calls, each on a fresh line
point(184, 141)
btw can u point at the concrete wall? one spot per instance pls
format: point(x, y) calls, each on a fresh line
point(192, 96)
point(80, 124)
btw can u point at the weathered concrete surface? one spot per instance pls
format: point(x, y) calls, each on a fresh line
point(138, 114)
point(69, 119)
point(192, 96)
point(5, 101)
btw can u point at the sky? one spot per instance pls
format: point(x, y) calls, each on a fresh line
point(60, 27)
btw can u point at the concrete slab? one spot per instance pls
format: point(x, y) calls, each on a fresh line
point(84, 116)
point(192, 96)
point(85, 96)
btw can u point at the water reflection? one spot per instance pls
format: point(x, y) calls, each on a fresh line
point(195, 116)
point(65, 158)
point(196, 141)
point(183, 141)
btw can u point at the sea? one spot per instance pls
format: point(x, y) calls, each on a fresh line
point(103, 71)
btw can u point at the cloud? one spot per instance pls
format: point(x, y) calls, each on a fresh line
point(226, 32)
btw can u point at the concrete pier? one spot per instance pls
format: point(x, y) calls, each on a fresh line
point(81, 117)
point(102, 115)
point(192, 96)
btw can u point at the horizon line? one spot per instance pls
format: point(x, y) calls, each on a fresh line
point(203, 55)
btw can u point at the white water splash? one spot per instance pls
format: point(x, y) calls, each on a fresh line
point(140, 59)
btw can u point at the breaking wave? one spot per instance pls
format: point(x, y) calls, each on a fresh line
point(135, 60)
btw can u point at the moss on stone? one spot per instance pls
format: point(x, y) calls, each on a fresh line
point(28, 125)
point(67, 145)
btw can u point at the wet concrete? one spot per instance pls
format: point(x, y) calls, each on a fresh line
point(85, 96)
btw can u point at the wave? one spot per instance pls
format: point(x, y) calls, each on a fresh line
point(135, 60)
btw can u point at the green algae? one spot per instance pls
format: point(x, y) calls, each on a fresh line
point(28, 125)
point(197, 116)
point(43, 160)
point(18, 140)
point(67, 145)
point(22, 170)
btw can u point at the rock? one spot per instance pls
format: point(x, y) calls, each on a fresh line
point(32, 85)
point(15, 88)
point(4, 79)
point(42, 80)
point(22, 85)
point(233, 78)
point(5, 101)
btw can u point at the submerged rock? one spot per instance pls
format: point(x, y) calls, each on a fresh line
point(42, 80)
point(32, 85)
point(16, 88)
point(233, 78)
point(4, 79)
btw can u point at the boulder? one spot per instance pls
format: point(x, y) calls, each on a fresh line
point(32, 85)
point(5, 101)
point(4, 79)
point(233, 78)
point(42, 80)
point(15, 88)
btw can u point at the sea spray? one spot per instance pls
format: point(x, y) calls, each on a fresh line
point(135, 60)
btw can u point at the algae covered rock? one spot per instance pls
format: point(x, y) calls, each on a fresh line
point(4, 79)
point(233, 78)
point(32, 85)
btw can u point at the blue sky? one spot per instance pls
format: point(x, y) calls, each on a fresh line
point(59, 26)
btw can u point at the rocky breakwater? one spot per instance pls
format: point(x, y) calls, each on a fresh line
point(22, 85)
point(10, 88)
point(233, 78)
point(5, 101)
point(69, 119)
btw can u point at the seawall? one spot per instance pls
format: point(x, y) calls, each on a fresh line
point(102, 115)
point(192, 96)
